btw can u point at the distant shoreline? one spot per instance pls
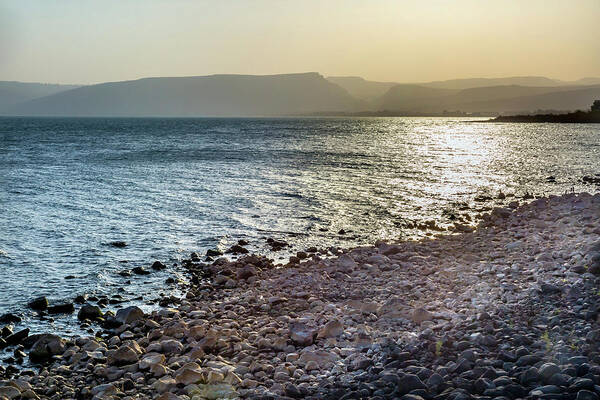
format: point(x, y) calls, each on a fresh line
point(578, 117)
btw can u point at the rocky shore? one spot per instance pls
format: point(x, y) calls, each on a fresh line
point(506, 311)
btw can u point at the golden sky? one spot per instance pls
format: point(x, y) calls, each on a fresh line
point(84, 41)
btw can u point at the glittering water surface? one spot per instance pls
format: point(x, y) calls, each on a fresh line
point(167, 187)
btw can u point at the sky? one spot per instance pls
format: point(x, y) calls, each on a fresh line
point(84, 41)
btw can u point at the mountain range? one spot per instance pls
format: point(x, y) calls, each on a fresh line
point(293, 94)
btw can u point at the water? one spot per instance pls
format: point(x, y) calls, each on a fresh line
point(167, 187)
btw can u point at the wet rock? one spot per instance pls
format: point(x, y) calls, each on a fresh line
point(140, 271)
point(64, 308)
point(38, 304)
point(7, 331)
point(18, 337)
point(10, 318)
point(237, 249)
point(158, 266)
point(213, 253)
point(88, 311)
point(128, 315)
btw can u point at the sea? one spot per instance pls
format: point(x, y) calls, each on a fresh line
point(69, 187)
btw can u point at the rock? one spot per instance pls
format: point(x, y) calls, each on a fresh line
point(105, 389)
point(302, 334)
point(158, 266)
point(323, 359)
point(188, 374)
point(140, 271)
point(164, 384)
point(292, 391)
point(213, 253)
point(346, 263)
point(213, 392)
point(118, 243)
point(332, 328)
point(18, 337)
point(421, 315)
point(547, 370)
point(410, 382)
point(38, 304)
point(151, 359)
point(124, 355)
point(171, 346)
point(88, 311)
point(46, 346)
point(64, 308)
point(10, 318)
point(237, 249)
point(358, 361)
point(168, 396)
point(9, 392)
point(586, 395)
point(128, 315)
point(246, 272)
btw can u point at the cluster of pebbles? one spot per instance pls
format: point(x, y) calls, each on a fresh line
point(507, 311)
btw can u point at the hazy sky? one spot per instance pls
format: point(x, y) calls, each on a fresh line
point(81, 41)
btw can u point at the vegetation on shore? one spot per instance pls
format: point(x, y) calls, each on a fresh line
point(577, 117)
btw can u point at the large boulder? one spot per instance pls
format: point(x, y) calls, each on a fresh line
point(46, 346)
point(129, 314)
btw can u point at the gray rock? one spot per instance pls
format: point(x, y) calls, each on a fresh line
point(547, 370)
point(301, 334)
point(410, 382)
point(46, 346)
point(128, 315)
point(586, 395)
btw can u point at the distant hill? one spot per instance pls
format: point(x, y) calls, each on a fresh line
point(214, 95)
point(295, 94)
point(361, 88)
point(499, 99)
point(532, 81)
point(587, 81)
point(12, 93)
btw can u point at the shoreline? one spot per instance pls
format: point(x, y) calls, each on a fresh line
point(455, 316)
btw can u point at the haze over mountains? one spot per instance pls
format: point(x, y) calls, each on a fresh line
point(293, 94)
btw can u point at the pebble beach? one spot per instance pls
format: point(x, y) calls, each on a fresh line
point(506, 309)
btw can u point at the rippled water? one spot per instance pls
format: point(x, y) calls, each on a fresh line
point(171, 186)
